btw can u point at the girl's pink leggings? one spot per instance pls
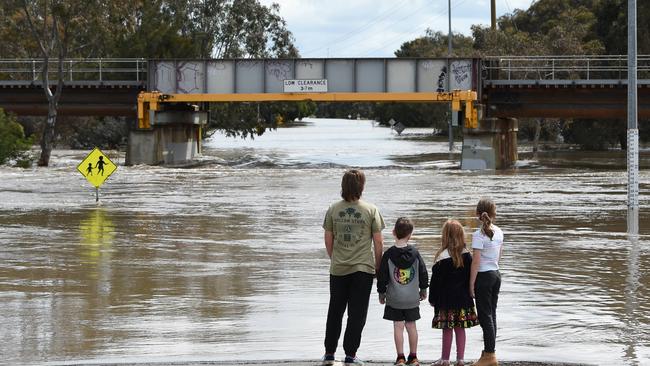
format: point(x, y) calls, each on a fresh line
point(447, 337)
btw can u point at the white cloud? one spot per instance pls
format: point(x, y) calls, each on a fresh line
point(376, 28)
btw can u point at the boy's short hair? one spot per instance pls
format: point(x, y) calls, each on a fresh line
point(403, 227)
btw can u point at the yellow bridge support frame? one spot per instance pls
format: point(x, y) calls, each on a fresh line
point(461, 100)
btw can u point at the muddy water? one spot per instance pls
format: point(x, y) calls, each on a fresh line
point(225, 260)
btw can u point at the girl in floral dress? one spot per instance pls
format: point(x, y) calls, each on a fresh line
point(448, 291)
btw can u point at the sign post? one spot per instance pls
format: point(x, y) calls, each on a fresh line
point(96, 168)
point(632, 127)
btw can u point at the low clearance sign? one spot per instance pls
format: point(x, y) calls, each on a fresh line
point(305, 86)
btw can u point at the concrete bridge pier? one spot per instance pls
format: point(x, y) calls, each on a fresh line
point(173, 136)
point(492, 145)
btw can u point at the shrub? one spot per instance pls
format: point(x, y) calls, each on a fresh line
point(105, 133)
point(595, 134)
point(13, 143)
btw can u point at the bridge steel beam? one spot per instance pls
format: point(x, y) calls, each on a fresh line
point(461, 101)
point(187, 82)
point(75, 101)
point(175, 138)
point(601, 101)
point(343, 75)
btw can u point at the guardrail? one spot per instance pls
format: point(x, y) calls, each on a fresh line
point(95, 71)
point(567, 69)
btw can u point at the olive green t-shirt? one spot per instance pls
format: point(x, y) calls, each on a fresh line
point(353, 224)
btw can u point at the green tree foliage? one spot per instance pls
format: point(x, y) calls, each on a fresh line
point(153, 29)
point(87, 133)
point(216, 29)
point(252, 119)
point(51, 30)
point(596, 134)
point(570, 27)
point(509, 41)
point(435, 44)
point(13, 144)
point(434, 115)
point(201, 29)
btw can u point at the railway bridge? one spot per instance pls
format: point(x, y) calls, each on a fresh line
point(167, 99)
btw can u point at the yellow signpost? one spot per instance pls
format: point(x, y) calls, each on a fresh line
point(96, 168)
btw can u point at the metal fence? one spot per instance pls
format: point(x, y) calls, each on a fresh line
point(562, 69)
point(96, 71)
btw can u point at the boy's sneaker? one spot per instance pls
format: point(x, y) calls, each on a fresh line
point(413, 361)
point(353, 361)
point(401, 361)
point(328, 360)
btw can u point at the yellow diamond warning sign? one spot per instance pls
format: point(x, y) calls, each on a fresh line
point(96, 167)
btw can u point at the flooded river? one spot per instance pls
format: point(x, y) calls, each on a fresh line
point(225, 261)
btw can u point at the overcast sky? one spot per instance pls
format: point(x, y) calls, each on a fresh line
point(376, 28)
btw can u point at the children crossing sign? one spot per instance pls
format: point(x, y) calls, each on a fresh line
point(96, 167)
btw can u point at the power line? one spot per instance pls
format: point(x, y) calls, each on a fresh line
point(512, 15)
point(389, 24)
point(419, 29)
point(357, 31)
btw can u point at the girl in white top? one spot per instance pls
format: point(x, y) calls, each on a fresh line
point(485, 279)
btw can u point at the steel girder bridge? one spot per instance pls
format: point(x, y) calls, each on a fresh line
point(494, 89)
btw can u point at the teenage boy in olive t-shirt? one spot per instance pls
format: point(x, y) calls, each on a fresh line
point(355, 245)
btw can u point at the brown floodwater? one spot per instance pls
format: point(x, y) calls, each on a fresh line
point(225, 260)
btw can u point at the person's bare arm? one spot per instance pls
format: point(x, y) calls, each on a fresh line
point(329, 242)
point(378, 241)
point(476, 261)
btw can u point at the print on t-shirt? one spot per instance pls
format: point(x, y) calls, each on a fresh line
point(349, 218)
point(404, 276)
point(347, 236)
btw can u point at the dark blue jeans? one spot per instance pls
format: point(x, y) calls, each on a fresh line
point(486, 289)
point(351, 291)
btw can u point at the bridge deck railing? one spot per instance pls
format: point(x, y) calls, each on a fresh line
point(562, 69)
point(106, 71)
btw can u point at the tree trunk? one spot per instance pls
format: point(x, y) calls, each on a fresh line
point(47, 140)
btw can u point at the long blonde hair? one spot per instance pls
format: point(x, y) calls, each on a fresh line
point(453, 240)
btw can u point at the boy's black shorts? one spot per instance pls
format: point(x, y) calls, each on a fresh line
point(409, 315)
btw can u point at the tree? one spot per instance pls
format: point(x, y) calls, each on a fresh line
point(569, 27)
point(245, 28)
point(54, 30)
point(435, 44)
point(148, 29)
point(252, 119)
point(52, 38)
point(13, 143)
point(220, 29)
point(612, 26)
point(202, 29)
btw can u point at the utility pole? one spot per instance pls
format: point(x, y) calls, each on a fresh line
point(632, 127)
point(449, 35)
point(493, 15)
